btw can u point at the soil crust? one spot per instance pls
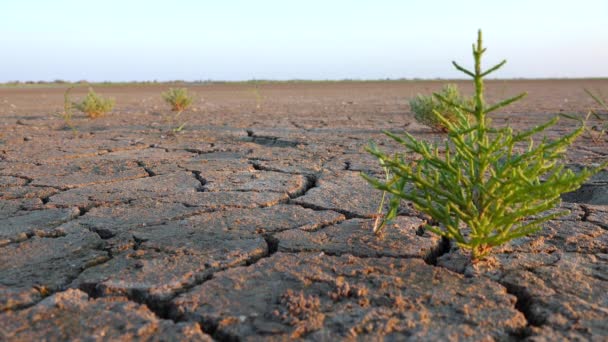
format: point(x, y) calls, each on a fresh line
point(253, 223)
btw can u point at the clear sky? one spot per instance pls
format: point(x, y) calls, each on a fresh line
point(124, 40)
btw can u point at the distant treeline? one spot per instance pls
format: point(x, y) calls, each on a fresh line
point(60, 82)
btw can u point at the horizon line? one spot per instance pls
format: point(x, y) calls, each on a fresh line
point(294, 80)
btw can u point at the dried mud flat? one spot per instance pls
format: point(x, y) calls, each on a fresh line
point(254, 224)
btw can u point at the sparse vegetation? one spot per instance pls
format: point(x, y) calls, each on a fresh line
point(256, 93)
point(67, 113)
point(94, 105)
point(178, 99)
point(179, 128)
point(485, 186)
point(424, 107)
point(597, 132)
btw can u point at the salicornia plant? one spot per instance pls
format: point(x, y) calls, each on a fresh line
point(67, 113)
point(424, 106)
point(178, 99)
point(94, 105)
point(485, 185)
point(601, 128)
point(256, 93)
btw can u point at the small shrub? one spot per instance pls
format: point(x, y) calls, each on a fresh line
point(481, 189)
point(424, 107)
point(94, 105)
point(178, 99)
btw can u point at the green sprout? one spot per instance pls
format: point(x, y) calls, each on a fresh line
point(67, 113)
point(94, 105)
point(424, 107)
point(179, 128)
point(256, 93)
point(599, 130)
point(485, 186)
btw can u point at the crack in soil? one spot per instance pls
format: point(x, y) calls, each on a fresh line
point(298, 126)
point(442, 248)
point(162, 307)
point(348, 214)
point(52, 232)
point(522, 304)
point(46, 292)
point(270, 141)
point(254, 162)
point(347, 165)
point(586, 213)
point(27, 180)
point(200, 179)
point(148, 170)
point(311, 182)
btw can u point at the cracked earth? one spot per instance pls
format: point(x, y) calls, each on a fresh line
point(254, 223)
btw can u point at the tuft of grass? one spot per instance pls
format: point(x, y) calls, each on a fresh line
point(94, 105)
point(480, 187)
point(178, 99)
point(424, 107)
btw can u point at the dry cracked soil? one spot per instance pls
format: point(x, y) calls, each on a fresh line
point(253, 223)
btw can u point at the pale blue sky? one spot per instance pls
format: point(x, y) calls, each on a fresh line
point(123, 40)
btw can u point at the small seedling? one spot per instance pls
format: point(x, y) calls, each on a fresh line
point(481, 188)
point(379, 222)
point(179, 128)
point(178, 99)
point(597, 132)
point(67, 113)
point(424, 107)
point(258, 96)
point(94, 105)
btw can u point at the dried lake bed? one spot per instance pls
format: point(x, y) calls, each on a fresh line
point(253, 223)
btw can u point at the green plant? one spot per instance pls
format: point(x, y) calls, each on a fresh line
point(179, 128)
point(601, 129)
point(484, 186)
point(67, 113)
point(94, 105)
point(178, 99)
point(424, 107)
point(256, 93)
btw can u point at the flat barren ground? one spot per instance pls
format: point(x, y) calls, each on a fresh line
point(253, 223)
